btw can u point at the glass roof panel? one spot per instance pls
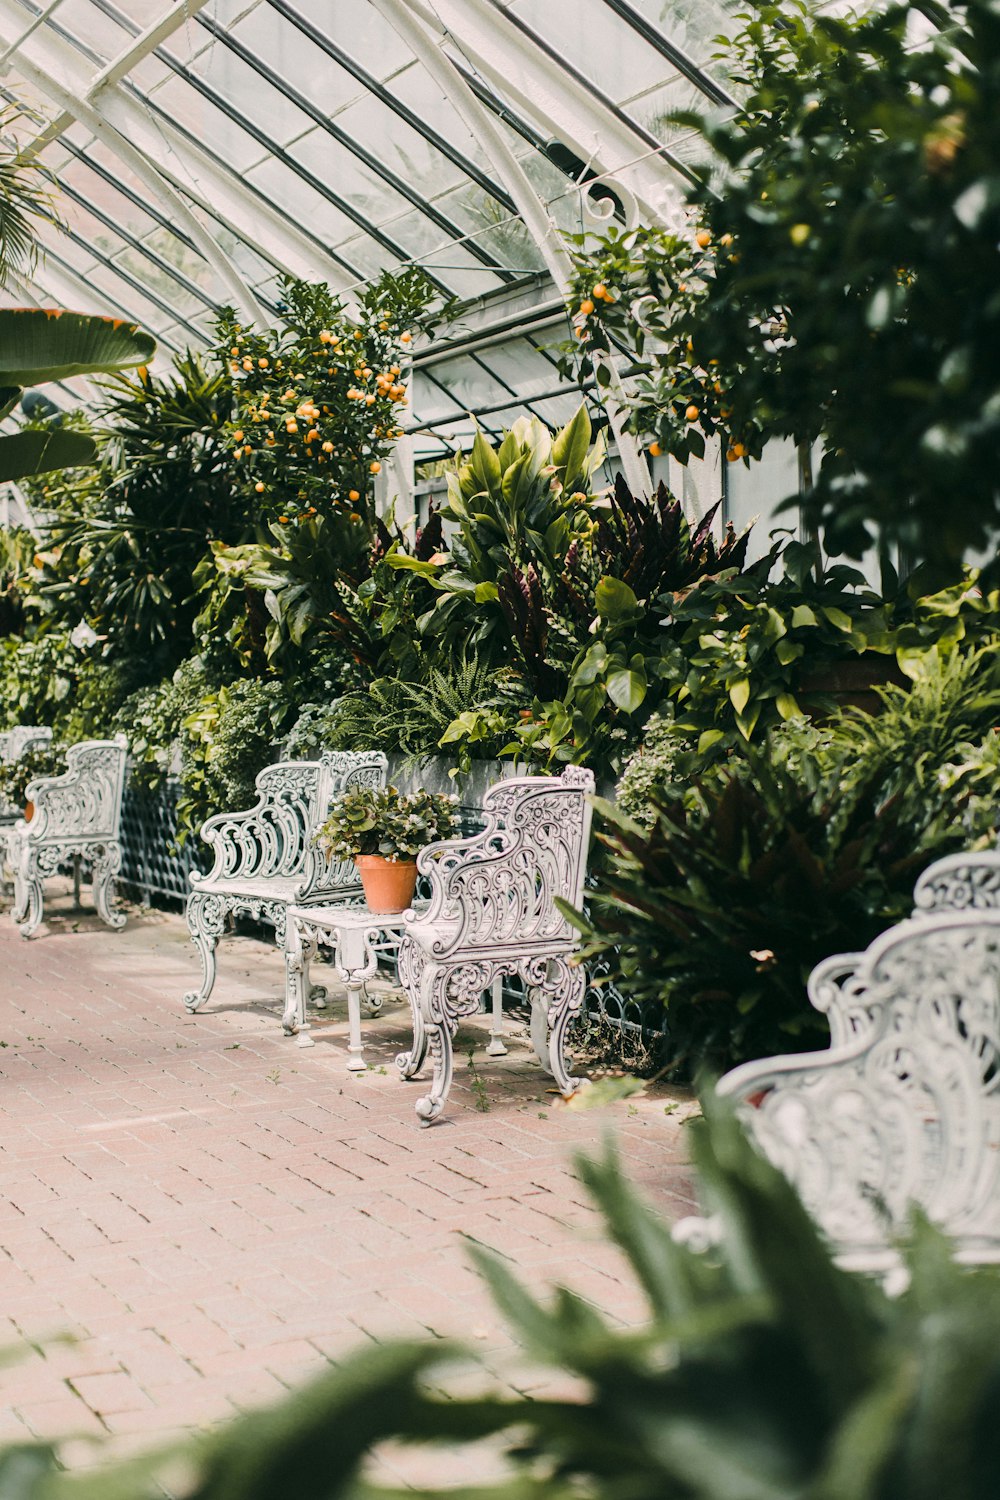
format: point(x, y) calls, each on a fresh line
point(591, 37)
point(249, 93)
point(691, 25)
point(318, 117)
point(179, 100)
point(287, 50)
point(90, 27)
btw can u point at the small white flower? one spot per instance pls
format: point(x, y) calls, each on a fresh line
point(83, 636)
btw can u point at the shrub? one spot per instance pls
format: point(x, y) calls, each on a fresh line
point(723, 900)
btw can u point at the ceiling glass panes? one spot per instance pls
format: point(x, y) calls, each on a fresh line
point(206, 147)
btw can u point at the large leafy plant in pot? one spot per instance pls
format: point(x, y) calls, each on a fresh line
point(383, 830)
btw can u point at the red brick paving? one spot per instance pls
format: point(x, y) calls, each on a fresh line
point(213, 1213)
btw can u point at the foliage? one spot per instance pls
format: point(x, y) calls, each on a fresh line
point(42, 760)
point(228, 738)
point(744, 647)
point(383, 820)
point(26, 196)
point(725, 897)
point(17, 552)
point(317, 400)
point(152, 719)
point(641, 294)
point(48, 679)
point(762, 1371)
point(659, 761)
point(566, 587)
point(271, 601)
point(853, 250)
point(460, 707)
point(512, 516)
point(127, 543)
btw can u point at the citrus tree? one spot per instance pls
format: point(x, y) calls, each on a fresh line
point(841, 284)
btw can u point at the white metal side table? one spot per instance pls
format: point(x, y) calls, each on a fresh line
point(357, 937)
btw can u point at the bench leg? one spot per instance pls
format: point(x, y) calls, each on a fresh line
point(300, 949)
point(106, 867)
point(447, 992)
point(410, 1063)
point(206, 919)
point(560, 987)
point(76, 880)
point(495, 1047)
point(28, 901)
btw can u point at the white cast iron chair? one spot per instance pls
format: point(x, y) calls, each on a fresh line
point(76, 819)
point(904, 1107)
point(492, 913)
point(13, 744)
point(265, 858)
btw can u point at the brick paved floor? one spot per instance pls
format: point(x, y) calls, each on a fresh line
point(214, 1213)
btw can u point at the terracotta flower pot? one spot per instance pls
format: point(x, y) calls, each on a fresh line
point(388, 883)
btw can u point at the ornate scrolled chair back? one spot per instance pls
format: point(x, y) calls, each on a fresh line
point(14, 742)
point(341, 771)
point(501, 886)
point(85, 801)
point(959, 882)
point(907, 1109)
point(271, 839)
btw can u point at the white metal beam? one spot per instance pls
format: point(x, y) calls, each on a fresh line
point(32, 26)
point(523, 72)
point(40, 66)
point(146, 42)
point(533, 211)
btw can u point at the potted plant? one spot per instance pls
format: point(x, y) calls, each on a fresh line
point(383, 830)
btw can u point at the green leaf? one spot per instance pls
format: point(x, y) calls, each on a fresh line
point(626, 688)
point(39, 452)
point(787, 706)
point(570, 447)
point(486, 593)
point(739, 693)
point(838, 618)
point(592, 666)
point(406, 564)
point(38, 344)
point(803, 615)
point(484, 466)
point(708, 738)
point(788, 651)
point(614, 599)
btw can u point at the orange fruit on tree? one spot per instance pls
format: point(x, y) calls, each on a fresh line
point(692, 414)
point(586, 307)
point(655, 449)
point(599, 289)
point(703, 238)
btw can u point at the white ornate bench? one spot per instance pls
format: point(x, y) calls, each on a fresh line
point(265, 858)
point(492, 913)
point(76, 818)
point(904, 1107)
point(13, 744)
